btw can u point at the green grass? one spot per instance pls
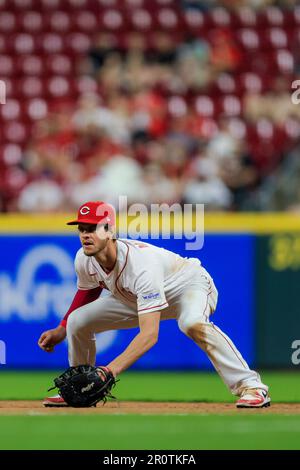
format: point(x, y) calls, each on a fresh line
point(149, 432)
point(244, 431)
point(193, 386)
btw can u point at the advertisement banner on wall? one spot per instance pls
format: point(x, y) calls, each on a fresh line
point(38, 282)
point(278, 281)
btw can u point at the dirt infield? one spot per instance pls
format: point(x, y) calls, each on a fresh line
point(143, 408)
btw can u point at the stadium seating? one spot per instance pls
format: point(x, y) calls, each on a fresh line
point(43, 41)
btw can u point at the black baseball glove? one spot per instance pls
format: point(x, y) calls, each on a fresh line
point(85, 385)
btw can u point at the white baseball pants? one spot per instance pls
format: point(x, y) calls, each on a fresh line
point(192, 309)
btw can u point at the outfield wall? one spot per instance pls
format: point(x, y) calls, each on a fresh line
point(254, 260)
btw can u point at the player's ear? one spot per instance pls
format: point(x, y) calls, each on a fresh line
point(110, 229)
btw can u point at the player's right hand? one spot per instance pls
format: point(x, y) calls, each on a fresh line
point(51, 338)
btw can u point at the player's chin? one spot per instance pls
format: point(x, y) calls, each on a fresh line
point(89, 250)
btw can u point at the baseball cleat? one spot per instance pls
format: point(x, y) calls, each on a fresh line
point(55, 401)
point(254, 398)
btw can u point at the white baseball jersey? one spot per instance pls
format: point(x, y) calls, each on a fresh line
point(144, 275)
point(147, 279)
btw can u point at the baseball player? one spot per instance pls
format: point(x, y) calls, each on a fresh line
point(146, 284)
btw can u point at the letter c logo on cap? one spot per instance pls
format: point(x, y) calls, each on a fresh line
point(84, 210)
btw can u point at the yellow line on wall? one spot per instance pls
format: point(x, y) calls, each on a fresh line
point(256, 223)
point(261, 223)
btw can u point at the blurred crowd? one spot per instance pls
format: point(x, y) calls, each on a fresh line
point(131, 143)
point(134, 136)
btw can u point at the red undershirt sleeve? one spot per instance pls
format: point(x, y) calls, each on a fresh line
point(82, 297)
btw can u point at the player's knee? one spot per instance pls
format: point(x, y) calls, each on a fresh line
point(75, 324)
point(198, 332)
point(188, 325)
point(185, 323)
point(72, 327)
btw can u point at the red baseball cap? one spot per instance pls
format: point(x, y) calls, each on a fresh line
point(95, 212)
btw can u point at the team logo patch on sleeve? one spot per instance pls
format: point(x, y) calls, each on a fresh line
point(153, 295)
